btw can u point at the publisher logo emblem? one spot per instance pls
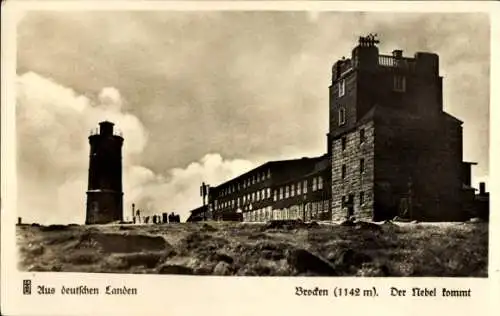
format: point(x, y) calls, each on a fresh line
point(26, 287)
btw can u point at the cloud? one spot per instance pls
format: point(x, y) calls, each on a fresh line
point(179, 190)
point(53, 124)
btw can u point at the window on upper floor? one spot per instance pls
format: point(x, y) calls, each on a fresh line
point(304, 187)
point(341, 86)
point(361, 135)
point(344, 170)
point(299, 188)
point(399, 83)
point(315, 184)
point(287, 192)
point(268, 193)
point(362, 165)
point(292, 190)
point(361, 198)
point(281, 193)
point(275, 195)
point(343, 142)
point(320, 183)
point(341, 116)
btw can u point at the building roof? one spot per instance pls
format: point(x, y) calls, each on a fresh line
point(452, 118)
point(276, 164)
point(469, 163)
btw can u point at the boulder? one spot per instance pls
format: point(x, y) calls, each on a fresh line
point(347, 223)
point(306, 262)
point(349, 257)
point(222, 268)
point(174, 269)
point(222, 257)
point(367, 226)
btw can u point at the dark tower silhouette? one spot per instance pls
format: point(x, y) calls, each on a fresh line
point(104, 194)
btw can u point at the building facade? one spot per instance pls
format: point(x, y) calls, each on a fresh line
point(289, 189)
point(394, 151)
point(104, 193)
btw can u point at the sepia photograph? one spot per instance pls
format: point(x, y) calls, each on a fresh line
point(253, 143)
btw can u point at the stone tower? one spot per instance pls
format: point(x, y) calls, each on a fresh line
point(394, 151)
point(104, 193)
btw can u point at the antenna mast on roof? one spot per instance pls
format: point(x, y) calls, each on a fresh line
point(369, 40)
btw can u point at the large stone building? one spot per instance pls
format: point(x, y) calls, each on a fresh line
point(286, 189)
point(104, 193)
point(394, 151)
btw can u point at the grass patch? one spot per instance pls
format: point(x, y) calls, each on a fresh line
point(367, 249)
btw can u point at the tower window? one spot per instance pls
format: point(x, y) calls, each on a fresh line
point(399, 83)
point(361, 135)
point(361, 165)
point(361, 198)
point(343, 141)
point(344, 170)
point(341, 88)
point(341, 116)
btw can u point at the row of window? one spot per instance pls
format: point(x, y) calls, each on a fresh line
point(278, 194)
point(297, 189)
point(256, 178)
point(399, 85)
point(361, 168)
point(247, 198)
point(310, 211)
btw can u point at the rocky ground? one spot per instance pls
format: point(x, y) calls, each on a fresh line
point(279, 249)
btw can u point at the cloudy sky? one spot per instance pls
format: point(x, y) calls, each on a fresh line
point(204, 96)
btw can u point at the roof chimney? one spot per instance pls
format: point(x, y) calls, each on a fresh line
point(482, 188)
point(397, 53)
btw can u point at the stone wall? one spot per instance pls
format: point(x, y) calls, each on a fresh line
point(354, 181)
point(418, 160)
